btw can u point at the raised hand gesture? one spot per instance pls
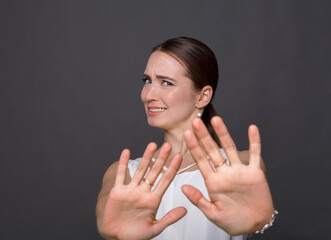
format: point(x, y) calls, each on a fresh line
point(240, 199)
point(130, 209)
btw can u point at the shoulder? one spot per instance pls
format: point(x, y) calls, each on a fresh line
point(244, 158)
point(111, 172)
point(109, 177)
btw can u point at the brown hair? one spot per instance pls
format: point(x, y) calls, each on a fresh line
point(201, 66)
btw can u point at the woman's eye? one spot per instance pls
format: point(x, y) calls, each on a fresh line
point(147, 81)
point(166, 83)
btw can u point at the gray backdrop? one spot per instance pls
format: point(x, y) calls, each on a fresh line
point(70, 102)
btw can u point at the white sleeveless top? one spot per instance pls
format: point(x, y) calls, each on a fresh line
point(194, 225)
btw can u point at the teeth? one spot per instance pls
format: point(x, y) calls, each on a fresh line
point(157, 109)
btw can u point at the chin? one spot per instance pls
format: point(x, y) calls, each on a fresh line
point(156, 123)
point(153, 123)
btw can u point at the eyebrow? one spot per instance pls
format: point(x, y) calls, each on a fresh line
point(160, 77)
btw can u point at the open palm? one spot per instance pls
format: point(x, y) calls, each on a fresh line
point(131, 208)
point(240, 199)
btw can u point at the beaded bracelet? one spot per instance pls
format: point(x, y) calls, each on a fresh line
point(268, 225)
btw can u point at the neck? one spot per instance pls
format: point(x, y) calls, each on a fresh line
point(177, 141)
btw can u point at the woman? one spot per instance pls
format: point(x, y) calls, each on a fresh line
point(187, 189)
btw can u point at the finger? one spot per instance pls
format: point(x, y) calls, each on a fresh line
point(158, 165)
point(254, 146)
point(168, 176)
point(171, 217)
point(196, 198)
point(198, 154)
point(122, 166)
point(143, 165)
point(226, 140)
point(209, 145)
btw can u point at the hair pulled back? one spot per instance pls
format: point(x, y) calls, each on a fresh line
point(201, 67)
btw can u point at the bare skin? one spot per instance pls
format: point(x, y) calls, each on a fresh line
point(240, 195)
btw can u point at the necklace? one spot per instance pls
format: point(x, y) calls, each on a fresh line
point(180, 171)
point(184, 169)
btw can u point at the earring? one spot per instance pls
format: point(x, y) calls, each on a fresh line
point(199, 113)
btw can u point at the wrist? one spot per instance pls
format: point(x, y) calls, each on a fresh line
point(267, 225)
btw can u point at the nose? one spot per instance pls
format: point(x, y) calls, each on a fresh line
point(149, 93)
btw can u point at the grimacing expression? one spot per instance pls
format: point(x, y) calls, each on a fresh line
point(168, 94)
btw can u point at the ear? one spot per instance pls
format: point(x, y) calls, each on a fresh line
point(205, 96)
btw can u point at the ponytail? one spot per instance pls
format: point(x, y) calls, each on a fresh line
point(208, 113)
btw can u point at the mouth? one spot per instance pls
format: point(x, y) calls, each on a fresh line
point(156, 109)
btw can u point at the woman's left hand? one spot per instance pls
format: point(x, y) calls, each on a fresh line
point(240, 199)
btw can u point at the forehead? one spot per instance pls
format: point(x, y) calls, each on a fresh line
point(161, 63)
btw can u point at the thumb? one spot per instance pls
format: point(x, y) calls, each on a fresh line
point(171, 217)
point(196, 197)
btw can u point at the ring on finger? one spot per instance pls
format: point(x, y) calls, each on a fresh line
point(148, 182)
point(220, 164)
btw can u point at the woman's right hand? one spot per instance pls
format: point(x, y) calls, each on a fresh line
point(130, 209)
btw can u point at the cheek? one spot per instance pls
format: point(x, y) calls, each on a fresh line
point(174, 98)
point(181, 97)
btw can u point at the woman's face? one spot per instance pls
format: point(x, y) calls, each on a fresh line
point(168, 94)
